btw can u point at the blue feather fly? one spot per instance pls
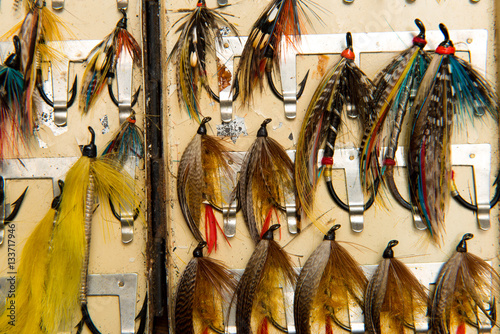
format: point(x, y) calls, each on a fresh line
point(451, 89)
point(127, 143)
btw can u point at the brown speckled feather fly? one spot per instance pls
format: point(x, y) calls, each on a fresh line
point(203, 287)
point(265, 183)
point(259, 295)
point(203, 165)
point(466, 286)
point(329, 281)
point(393, 296)
point(345, 87)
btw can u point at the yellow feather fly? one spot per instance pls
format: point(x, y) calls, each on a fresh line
point(30, 282)
point(66, 244)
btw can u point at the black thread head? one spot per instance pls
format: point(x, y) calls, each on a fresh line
point(263, 128)
point(14, 59)
point(348, 40)
point(331, 233)
point(202, 129)
point(122, 24)
point(446, 42)
point(462, 245)
point(90, 150)
point(269, 233)
point(420, 27)
point(57, 200)
point(198, 251)
point(388, 252)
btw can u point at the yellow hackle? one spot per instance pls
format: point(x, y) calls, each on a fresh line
point(53, 257)
point(30, 282)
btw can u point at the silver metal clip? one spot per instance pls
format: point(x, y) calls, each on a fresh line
point(122, 4)
point(124, 85)
point(57, 4)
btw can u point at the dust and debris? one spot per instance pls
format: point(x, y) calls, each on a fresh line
point(232, 129)
point(322, 66)
point(105, 123)
point(290, 136)
point(278, 126)
point(224, 31)
point(224, 76)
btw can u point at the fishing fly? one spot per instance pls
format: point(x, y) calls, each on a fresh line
point(11, 99)
point(203, 167)
point(393, 297)
point(450, 89)
point(128, 142)
point(202, 290)
point(345, 87)
point(395, 90)
point(39, 26)
point(265, 184)
point(61, 258)
point(330, 281)
point(102, 60)
point(465, 286)
point(259, 296)
point(200, 33)
point(281, 20)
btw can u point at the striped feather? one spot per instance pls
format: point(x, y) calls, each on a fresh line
point(200, 32)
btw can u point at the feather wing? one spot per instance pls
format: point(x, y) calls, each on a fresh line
point(429, 155)
point(264, 184)
point(259, 296)
point(465, 284)
point(393, 297)
point(200, 32)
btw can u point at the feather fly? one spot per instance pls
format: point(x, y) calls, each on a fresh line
point(345, 87)
point(101, 62)
point(128, 142)
point(39, 26)
point(465, 285)
point(203, 166)
point(393, 296)
point(328, 283)
point(282, 19)
point(200, 32)
point(65, 268)
point(259, 296)
point(11, 97)
point(451, 89)
point(31, 277)
point(265, 183)
point(203, 287)
point(396, 87)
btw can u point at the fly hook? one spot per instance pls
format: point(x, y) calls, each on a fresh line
point(275, 91)
point(112, 95)
point(47, 100)
point(17, 204)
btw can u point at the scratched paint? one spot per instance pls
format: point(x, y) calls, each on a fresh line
point(232, 129)
point(105, 123)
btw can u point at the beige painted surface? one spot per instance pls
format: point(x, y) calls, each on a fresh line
point(381, 223)
point(87, 20)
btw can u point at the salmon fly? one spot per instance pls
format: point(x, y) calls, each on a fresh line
point(200, 33)
point(102, 59)
point(396, 87)
point(344, 87)
point(450, 89)
point(281, 20)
